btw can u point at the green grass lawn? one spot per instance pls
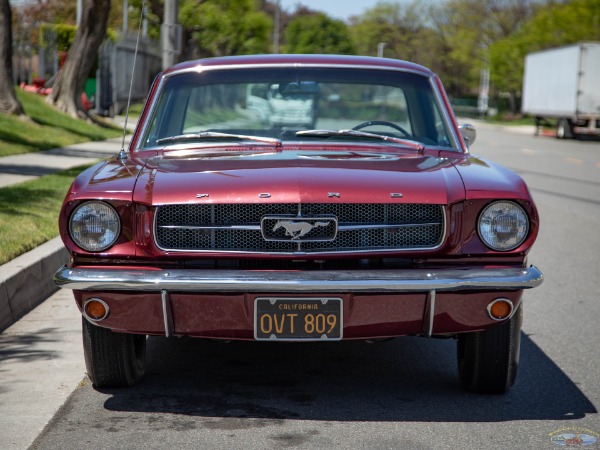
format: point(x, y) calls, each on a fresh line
point(29, 212)
point(47, 128)
point(515, 121)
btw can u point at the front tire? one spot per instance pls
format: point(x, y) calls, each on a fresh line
point(564, 129)
point(113, 359)
point(488, 360)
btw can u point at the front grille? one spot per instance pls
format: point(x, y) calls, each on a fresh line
point(237, 227)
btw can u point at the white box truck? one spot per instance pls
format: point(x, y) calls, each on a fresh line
point(563, 84)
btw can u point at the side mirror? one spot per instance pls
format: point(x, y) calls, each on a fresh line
point(468, 133)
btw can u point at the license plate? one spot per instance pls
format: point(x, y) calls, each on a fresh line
point(298, 319)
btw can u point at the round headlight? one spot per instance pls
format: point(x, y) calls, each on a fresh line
point(94, 226)
point(503, 226)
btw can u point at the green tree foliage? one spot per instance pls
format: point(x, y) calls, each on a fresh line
point(464, 31)
point(63, 33)
point(400, 28)
point(318, 33)
point(226, 27)
point(552, 26)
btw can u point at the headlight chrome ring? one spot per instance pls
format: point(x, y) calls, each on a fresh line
point(94, 226)
point(503, 225)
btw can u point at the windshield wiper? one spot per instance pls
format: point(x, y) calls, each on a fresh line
point(356, 133)
point(215, 135)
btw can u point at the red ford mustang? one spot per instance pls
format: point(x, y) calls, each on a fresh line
point(302, 198)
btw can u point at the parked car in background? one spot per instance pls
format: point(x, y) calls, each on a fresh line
point(377, 222)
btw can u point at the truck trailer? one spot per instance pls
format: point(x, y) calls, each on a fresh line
point(562, 86)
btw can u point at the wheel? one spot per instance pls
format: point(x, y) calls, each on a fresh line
point(564, 130)
point(488, 360)
point(384, 123)
point(113, 359)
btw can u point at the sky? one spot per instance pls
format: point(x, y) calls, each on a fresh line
point(339, 9)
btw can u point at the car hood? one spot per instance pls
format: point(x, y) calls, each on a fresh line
point(485, 179)
point(299, 177)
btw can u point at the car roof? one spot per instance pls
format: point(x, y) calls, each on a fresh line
point(299, 60)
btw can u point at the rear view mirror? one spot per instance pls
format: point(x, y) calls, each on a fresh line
point(299, 87)
point(468, 133)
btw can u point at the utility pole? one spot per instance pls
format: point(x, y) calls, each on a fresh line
point(78, 12)
point(125, 16)
point(276, 27)
point(170, 34)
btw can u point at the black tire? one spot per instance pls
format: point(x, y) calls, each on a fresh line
point(564, 129)
point(488, 360)
point(113, 359)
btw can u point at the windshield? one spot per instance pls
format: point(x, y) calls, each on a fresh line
point(286, 103)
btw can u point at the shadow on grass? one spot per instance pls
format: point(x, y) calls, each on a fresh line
point(37, 141)
point(90, 135)
point(16, 169)
point(31, 145)
point(15, 199)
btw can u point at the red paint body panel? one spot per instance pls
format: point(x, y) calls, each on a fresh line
point(230, 316)
point(485, 179)
point(421, 179)
point(111, 180)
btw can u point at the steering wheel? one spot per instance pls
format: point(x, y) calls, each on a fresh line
point(384, 123)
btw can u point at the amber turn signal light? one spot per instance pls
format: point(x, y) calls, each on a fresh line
point(95, 309)
point(500, 309)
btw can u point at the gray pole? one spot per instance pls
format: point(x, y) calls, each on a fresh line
point(145, 21)
point(125, 16)
point(79, 8)
point(276, 27)
point(170, 34)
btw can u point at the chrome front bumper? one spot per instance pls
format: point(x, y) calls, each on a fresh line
point(247, 281)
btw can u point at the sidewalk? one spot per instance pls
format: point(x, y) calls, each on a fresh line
point(41, 365)
point(18, 168)
point(41, 355)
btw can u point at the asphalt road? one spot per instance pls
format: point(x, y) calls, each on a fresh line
point(402, 394)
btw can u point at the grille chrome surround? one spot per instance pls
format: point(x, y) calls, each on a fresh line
point(236, 228)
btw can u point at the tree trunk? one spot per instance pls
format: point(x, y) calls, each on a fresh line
point(67, 90)
point(8, 99)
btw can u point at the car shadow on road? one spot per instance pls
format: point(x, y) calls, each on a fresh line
point(408, 379)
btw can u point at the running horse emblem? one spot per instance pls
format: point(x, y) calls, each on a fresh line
point(297, 229)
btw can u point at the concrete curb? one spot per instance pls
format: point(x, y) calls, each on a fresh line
point(27, 280)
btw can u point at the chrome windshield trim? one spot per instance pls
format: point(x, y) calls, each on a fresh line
point(200, 68)
point(241, 281)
